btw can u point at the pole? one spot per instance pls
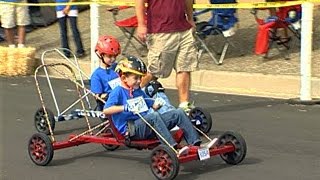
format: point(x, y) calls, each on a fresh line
point(94, 32)
point(305, 51)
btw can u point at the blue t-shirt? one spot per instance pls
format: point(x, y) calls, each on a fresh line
point(61, 7)
point(118, 97)
point(100, 78)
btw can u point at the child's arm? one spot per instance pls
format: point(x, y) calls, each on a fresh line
point(113, 104)
point(67, 8)
point(113, 110)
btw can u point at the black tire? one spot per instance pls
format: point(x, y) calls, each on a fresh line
point(108, 146)
point(199, 114)
point(40, 121)
point(164, 163)
point(40, 149)
point(238, 142)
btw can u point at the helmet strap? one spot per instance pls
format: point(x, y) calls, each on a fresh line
point(125, 85)
point(102, 60)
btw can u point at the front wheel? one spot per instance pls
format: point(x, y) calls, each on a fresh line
point(164, 163)
point(235, 139)
point(40, 149)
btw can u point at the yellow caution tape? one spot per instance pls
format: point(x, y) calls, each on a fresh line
point(196, 6)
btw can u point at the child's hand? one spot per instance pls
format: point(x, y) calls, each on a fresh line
point(127, 108)
point(159, 102)
point(66, 10)
point(104, 96)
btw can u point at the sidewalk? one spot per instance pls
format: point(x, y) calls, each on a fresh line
point(247, 75)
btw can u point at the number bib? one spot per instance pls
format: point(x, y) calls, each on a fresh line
point(114, 83)
point(137, 105)
point(204, 154)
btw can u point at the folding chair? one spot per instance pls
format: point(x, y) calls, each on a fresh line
point(287, 18)
point(223, 23)
point(128, 27)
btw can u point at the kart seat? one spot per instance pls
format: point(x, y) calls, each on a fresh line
point(141, 143)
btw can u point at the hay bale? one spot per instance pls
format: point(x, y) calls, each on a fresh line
point(17, 61)
point(3, 60)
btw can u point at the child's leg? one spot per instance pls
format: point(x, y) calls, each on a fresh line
point(143, 131)
point(76, 35)
point(178, 117)
point(64, 34)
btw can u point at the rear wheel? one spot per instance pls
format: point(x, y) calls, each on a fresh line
point(235, 139)
point(40, 149)
point(40, 120)
point(201, 119)
point(108, 133)
point(164, 162)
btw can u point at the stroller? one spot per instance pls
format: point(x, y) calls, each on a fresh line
point(222, 23)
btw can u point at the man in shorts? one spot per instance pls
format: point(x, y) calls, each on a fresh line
point(12, 16)
point(169, 25)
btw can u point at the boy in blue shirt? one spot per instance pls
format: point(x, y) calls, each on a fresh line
point(126, 100)
point(104, 78)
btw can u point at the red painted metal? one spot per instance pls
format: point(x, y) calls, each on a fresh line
point(193, 153)
point(178, 135)
point(66, 144)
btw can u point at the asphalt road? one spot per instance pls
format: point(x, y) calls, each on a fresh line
point(282, 139)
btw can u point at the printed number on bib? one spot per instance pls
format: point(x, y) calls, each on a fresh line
point(203, 154)
point(137, 105)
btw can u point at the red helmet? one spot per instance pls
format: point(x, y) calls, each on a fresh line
point(108, 45)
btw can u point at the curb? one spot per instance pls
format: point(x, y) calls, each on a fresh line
point(238, 83)
point(249, 84)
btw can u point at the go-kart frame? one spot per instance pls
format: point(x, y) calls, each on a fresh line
point(165, 160)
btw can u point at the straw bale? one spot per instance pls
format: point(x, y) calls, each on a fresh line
point(17, 61)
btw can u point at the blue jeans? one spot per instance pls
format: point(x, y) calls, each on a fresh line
point(75, 32)
point(163, 123)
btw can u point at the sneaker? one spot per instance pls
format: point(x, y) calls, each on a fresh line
point(67, 55)
point(21, 45)
point(183, 151)
point(186, 106)
point(210, 143)
point(81, 55)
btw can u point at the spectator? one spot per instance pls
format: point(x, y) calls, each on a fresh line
point(12, 16)
point(273, 12)
point(170, 42)
point(65, 12)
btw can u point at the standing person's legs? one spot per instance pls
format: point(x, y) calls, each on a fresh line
point(76, 36)
point(23, 19)
point(161, 56)
point(21, 36)
point(8, 22)
point(183, 81)
point(9, 33)
point(64, 34)
point(186, 62)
